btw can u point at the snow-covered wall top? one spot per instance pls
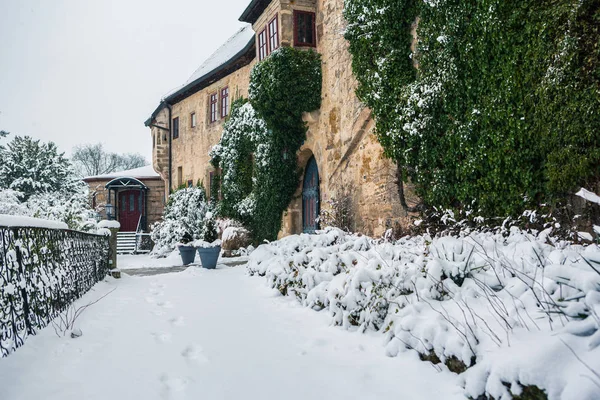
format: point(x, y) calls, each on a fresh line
point(139, 173)
point(22, 221)
point(234, 45)
point(109, 224)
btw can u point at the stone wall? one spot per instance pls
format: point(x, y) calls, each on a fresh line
point(341, 138)
point(340, 134)
point(190, 159)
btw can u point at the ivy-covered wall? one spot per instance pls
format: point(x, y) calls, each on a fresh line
point(503, 110)
point(260, 141)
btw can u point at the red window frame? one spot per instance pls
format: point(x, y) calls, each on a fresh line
point(212, 108)
point(224, 102)
point(273, 28)
point(303, 14)
point(263, 45)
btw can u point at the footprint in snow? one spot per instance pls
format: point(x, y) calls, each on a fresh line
point(162, 337)
point(194, 354)
point(172, 386)
point(164, 304)
point(177, 321)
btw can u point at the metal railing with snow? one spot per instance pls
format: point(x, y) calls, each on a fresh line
point(42, 271)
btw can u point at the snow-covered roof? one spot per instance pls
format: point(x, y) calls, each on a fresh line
point(229, 50)
point(140, 173)
point(235, 53)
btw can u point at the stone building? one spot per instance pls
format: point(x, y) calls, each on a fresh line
point(340, 155)
point(135, 198)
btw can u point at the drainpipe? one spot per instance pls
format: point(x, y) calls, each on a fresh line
point(170, 145)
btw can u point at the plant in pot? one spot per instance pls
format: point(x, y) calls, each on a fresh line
point(209, 245)
point(186, 248)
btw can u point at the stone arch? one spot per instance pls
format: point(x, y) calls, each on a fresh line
point(292, 218)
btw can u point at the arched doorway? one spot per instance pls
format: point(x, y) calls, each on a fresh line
point(310, 197)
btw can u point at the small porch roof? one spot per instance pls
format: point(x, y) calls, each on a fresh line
point(126, 182)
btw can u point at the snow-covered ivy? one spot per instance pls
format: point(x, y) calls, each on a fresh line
point(494, 107)
point(258, 148)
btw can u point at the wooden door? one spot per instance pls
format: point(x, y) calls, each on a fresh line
point(310, 197)
point(130, 209)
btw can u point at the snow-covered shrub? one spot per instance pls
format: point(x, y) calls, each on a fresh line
point(33, 167)
point(182, 222)
point(209, 231)
point(497, 307)
point(70, 208)
point(11, 204)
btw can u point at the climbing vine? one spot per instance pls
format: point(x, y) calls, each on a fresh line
point(260, 141)
point(495, 107)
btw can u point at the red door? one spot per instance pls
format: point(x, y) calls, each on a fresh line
point(130, 210)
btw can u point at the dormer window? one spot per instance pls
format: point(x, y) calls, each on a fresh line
point(304, 29)
point(262, 45)
point(273, 34)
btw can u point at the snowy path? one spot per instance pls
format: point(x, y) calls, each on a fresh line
point(211, 335)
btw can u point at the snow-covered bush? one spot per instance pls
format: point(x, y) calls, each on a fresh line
point(70, 208)
point(509, 311)
point(11, 204)
point(182, 222)
point(33, 167)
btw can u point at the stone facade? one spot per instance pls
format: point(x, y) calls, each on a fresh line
point(340, 134)
point(155, 197)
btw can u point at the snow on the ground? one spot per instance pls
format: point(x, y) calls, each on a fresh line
point(217, 334)
point(129, 261)
point(23, 221)
point(521, 307)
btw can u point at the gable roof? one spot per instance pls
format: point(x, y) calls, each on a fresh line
point(254, 10)
point(238, 51)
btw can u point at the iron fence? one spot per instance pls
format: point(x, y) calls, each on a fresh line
point(42, 272)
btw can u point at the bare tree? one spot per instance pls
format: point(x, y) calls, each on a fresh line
point(93, 159)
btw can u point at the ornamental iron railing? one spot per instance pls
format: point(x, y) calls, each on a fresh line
point(42, 272)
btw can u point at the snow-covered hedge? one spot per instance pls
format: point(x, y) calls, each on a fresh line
point(72, 209)
point(509, 310)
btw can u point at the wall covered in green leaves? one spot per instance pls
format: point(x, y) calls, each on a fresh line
point(495, 108)
point(260, 141)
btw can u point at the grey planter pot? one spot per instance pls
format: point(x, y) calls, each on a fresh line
point(188, 254)
point(209, 256)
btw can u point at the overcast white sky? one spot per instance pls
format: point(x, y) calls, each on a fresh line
point(87, 71)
